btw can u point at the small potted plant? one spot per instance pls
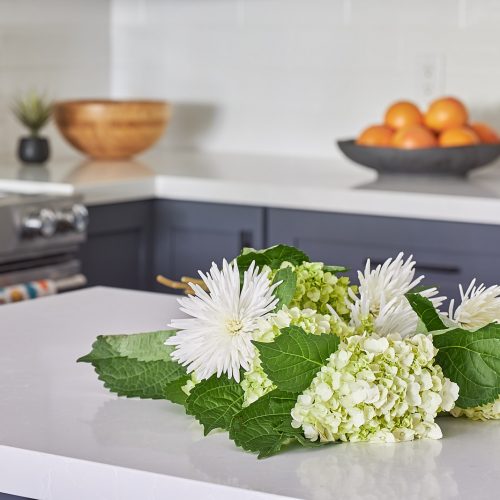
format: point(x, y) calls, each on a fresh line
point(33, 111)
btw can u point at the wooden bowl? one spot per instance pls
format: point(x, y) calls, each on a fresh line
point(457, 161)
point(109, 129)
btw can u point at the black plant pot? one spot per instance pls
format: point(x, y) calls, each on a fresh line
point(33, 149)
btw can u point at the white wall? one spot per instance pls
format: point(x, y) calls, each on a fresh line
point(289, 76)
point(269, 76)
point(60, 47)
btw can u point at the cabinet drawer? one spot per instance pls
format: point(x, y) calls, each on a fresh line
point(190, 236)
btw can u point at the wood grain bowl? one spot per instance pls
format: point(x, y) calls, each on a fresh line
point(111, 129)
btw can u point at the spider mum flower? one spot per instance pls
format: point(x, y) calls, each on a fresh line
point(479, 306)
point(381, 305)
point(376, 389)
point(216, 339)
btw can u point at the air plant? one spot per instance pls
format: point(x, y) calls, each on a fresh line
point(33, 111)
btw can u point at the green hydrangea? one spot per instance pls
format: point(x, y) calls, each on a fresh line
point(308, 319)
point(488, 411)
point(189, 385)
point(376, 389)
point(317, 288)
point(255, 382)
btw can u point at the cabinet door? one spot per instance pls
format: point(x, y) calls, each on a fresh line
point(447, 253)
point(118, 249)
point(190, 236)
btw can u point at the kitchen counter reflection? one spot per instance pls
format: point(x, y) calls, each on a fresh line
point(381, 471)
point(96, 172)
point(474, 187)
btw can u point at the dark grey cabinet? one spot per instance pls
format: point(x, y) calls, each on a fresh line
point(190, 236)
point(129, 243)
point(119, 250)
point(447, 253)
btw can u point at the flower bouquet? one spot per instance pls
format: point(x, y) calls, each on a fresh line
point(277, 350)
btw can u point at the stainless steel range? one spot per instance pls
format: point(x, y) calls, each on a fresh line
point(39, 240)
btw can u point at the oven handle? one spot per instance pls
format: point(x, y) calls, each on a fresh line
point(70, 283)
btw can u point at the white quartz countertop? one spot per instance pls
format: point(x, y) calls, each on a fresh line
point(63, 436)
point(331, 185)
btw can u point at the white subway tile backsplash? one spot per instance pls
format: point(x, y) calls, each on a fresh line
point(177, 13)
point(276, 76)
point(297, 13)
point(63, 47)
point(84, 14)
point(288, 76)
point(57, 47)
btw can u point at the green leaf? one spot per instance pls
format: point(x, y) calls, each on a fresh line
point(426, 312)
point(291, 432)
point(335, 269)
point(174, 392)
point(265, 425)
point(294, 358)
point(272, 257)
point(148, 346)
point(136, 365)
point(472, 360)
point(138, 379)
point(286, 290)
point(214, 402)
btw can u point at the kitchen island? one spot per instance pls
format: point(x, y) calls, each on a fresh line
point(63, 436)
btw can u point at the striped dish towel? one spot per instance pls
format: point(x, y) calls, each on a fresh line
point(27, 291)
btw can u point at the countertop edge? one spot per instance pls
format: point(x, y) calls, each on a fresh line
point(57, 477)
point(384, 203)
point(361, 202)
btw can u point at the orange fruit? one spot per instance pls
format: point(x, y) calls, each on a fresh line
point(414, 137)
point(403, 114)
point(375, 135)
point(445, 113)
point(459, 136)
point(485, 133)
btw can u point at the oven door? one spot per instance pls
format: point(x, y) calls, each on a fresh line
point(53, 267)
point(33, 278)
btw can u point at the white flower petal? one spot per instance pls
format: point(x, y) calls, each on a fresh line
point(217, 338)
point(381, 297)
point(478, 307)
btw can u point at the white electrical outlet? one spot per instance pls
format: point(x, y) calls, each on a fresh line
point(430, 76)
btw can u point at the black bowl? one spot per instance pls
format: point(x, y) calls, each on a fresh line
point(457, 161)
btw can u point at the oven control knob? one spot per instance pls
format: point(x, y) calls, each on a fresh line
point(43, 223)
point(80, 217)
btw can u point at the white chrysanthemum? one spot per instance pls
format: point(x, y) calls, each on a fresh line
point(381, 298)
point(217, 338)
point(396, 316)
point(479, 306)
